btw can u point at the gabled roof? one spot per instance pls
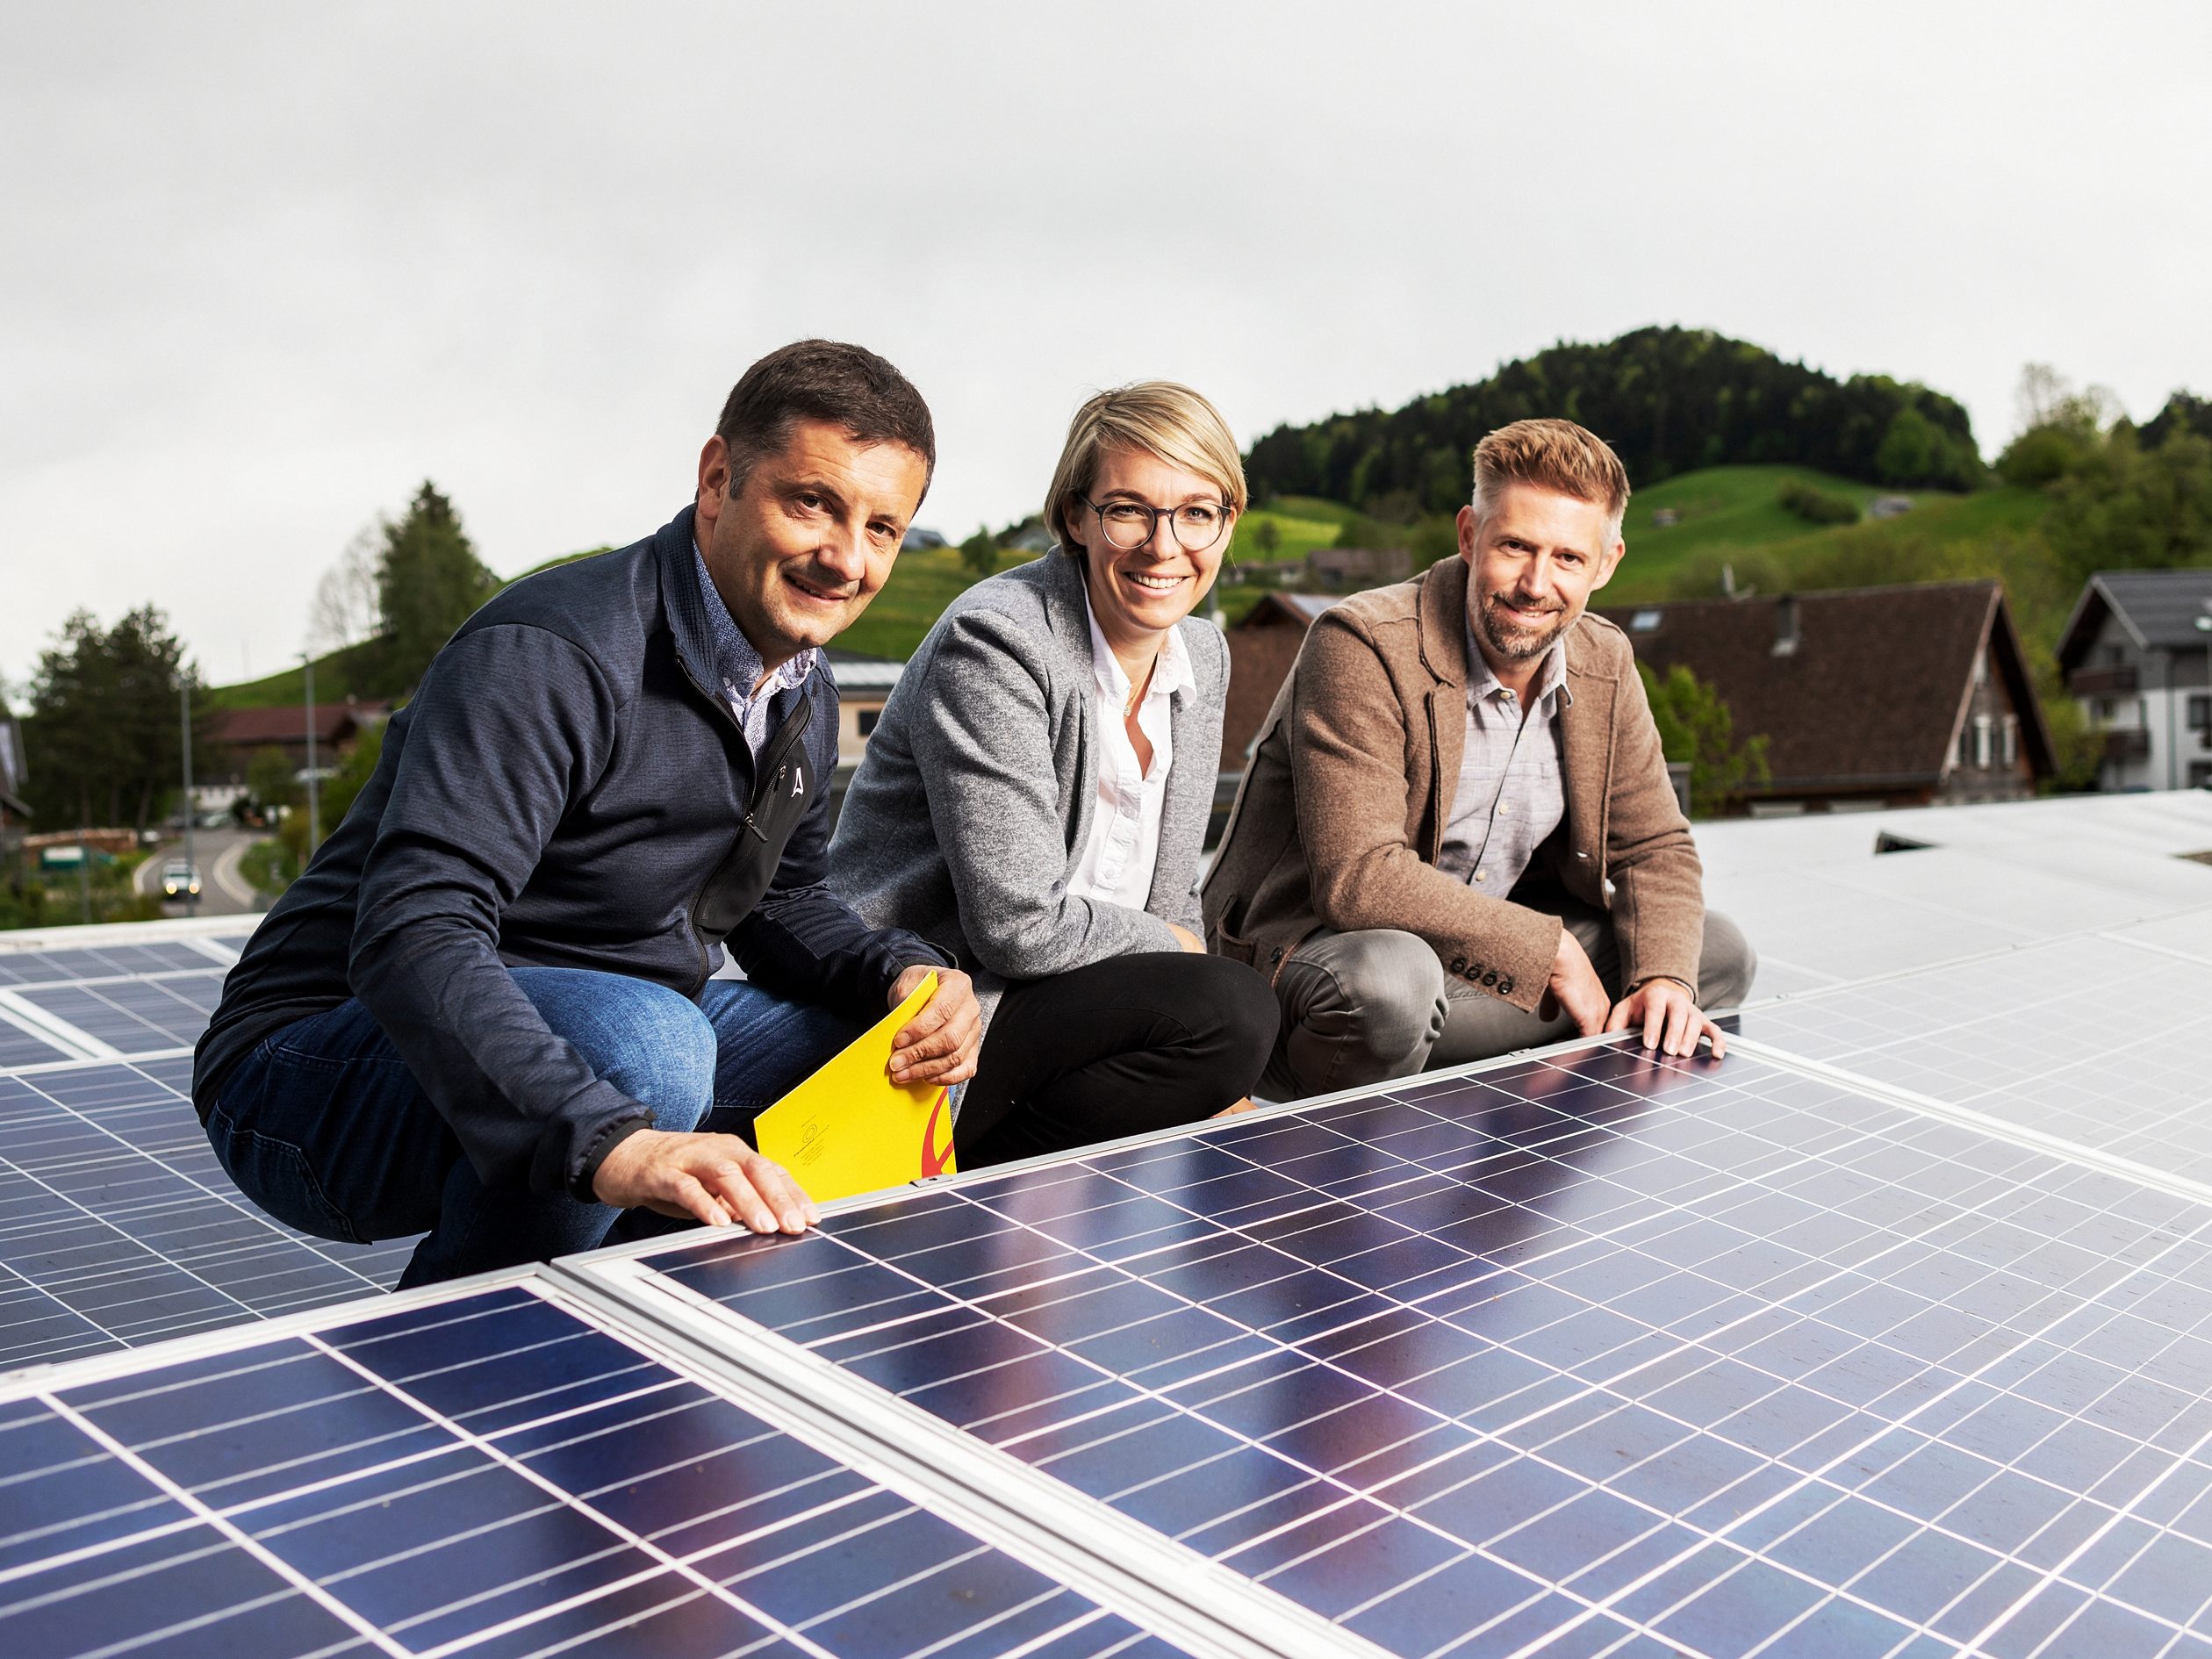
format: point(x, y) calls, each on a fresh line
point(1274, 609)
point(1872, 693)
point(287, 722)
point(2158, 608)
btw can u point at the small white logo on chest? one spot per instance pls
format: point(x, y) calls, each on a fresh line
point(798, 781)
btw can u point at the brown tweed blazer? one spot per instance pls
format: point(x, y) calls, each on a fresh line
point(1339, 819)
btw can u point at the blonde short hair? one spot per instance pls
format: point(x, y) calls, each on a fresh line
point(1156, 417)
point(1553, 455)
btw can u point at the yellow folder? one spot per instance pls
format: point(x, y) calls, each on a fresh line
point(850, 1129)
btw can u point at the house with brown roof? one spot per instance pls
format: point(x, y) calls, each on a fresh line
point(235, 735)
point(2137, 652)
point(1868, 697)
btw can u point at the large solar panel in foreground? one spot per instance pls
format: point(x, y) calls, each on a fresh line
point(1584, 1354)
point(491, 1474)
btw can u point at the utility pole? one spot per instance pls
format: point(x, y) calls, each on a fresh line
point(314, 809)
point(191, 866)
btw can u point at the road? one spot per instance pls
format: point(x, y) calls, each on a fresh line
point(223, 890)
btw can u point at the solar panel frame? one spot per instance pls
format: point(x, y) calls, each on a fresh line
point(211, 1451)
point(1107, 1249)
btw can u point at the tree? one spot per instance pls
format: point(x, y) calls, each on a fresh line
point(104, 744)
point(271, 780)
point(2059, 425)
point(2122, 506)
point(1267, 538)
point(1667, 399)
point(428, 581)
point(2184, 412)
point(978, 554)
point(1696, 726)
point(345, 607)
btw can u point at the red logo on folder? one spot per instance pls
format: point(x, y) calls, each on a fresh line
point(933, 1161)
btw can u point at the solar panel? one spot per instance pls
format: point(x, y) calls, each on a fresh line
point(1581, 1354)
point(491, 1472)
point(2098, 1040)
point(118, 1227)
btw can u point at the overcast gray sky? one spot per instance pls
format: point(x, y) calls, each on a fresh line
point(266, 268)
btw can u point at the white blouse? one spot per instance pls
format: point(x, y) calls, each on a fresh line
point(1122, 846)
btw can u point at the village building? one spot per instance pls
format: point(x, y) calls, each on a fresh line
point(2137, 653)
point(1868, 698)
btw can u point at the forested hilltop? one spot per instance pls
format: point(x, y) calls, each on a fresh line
point(1667, 399)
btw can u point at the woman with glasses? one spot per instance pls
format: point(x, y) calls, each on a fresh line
point(1036, 793)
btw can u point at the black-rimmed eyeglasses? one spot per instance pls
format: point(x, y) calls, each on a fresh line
point(1197, 525)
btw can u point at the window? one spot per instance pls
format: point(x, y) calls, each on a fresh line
point(1966, 746)
point(2199, 712)
point(1644, 621)
point(2200, 774)
point(864, 721)
point(2008, 748)
point(1982, 724)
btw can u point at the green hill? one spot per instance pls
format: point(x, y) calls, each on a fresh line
point(1669, 400)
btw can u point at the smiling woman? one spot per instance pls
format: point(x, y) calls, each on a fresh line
point(1022, 805)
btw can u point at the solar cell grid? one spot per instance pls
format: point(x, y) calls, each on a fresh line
point(2097, 1040)
point(118, 1227)
point(490, 1475)
point(1731, 1358)
point(20, 1046)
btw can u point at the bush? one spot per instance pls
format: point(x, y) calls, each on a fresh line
point(1815, 504)
point(1695, 726)
point(2043, 454)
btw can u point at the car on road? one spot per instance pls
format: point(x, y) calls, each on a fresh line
point(180, 880)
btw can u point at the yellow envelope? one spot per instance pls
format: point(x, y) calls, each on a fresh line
point(850, 1129)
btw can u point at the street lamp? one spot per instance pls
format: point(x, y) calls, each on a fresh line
point(314, 810)
point(191, 865)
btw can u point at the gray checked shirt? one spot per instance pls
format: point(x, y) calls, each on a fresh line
point(1511, 795)
point(739, 664)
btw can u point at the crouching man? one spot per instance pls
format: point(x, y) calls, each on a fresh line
point(485, 1009)
point(1456, 836)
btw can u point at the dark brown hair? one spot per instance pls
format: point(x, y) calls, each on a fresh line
point(845, 386)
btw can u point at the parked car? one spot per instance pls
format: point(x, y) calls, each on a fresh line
point(180, 880)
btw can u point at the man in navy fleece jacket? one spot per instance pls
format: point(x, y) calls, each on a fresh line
point(486, 1008)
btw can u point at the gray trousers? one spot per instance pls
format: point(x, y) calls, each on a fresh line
point(1359, 1008)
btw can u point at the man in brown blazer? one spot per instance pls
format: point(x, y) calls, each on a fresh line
point(1457, 837)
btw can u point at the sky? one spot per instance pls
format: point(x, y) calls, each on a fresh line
point(267, 267)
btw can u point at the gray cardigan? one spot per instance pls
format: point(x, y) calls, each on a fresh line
point(969, 812)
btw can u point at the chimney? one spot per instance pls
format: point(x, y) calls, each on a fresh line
point(1786, 625)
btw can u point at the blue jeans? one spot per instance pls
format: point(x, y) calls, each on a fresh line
point(324, 1126)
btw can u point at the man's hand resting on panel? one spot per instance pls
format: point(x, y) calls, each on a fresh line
point(714, 1179)
point(1669, 1017)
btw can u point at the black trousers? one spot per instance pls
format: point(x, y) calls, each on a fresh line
point(1120, 1048)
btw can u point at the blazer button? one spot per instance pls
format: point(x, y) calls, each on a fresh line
point(1275, 956)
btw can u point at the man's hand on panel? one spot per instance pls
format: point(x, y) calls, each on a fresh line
point(1670, 1018)
point(716, 1180)
point(939, 1043)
